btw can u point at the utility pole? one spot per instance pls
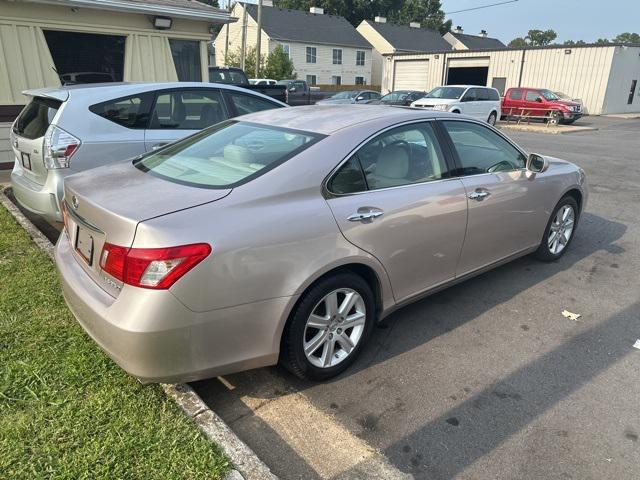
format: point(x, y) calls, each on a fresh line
point(243, 45)
point(258, 38)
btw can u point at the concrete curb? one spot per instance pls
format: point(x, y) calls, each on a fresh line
point(562, 130)
point(247, 464)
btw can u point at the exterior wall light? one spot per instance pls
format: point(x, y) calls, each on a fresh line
point(162, 23)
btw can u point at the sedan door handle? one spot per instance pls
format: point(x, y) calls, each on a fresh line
point(365, 214)
point(479, 195)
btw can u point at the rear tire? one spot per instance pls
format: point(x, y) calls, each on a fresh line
point(560, 230)
point(319, 341)
point(492, 119)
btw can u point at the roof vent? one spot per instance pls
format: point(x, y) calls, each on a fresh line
point(380, 19)
point(414, 24)
point(483, 33)
point(458, 29)
point(316, 10)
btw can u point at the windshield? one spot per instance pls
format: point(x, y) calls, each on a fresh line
point(394, 96)
point(284, 82)
point(226, 155)
point(549, 95)
point(450, 93)
point(342, 95)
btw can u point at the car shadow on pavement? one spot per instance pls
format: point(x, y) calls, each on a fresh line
point(483, 421)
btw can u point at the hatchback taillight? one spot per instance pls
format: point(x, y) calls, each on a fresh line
point(156, 268)
point(58, 148)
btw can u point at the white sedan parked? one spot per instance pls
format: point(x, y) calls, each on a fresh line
point(482, 103)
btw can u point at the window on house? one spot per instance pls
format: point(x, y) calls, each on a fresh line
point(311, 54)
point(360, 57)
point(337, 56)
point(186, 58)
point(336, 80)
point(311, 79)
point(285, 48)
point(360, 81)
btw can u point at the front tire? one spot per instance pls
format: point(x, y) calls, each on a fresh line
point(492, 119)
point(328, 327)
point(560, 230)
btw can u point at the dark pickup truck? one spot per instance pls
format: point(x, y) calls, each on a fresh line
point(236, 76)
point(299, 93)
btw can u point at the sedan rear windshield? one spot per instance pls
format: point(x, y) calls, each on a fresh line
point(36, 117)
point(226, 155)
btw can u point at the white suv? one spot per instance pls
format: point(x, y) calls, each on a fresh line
point(475, 101)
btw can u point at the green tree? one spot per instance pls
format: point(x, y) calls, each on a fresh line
point(629, 38)
point(534, 38)
point(428, 12)
point(541, 37)
point(213, 3)
point(278, 65)
point(233, 59)
point(572, 43)
point(602, 41)
point(518, 42)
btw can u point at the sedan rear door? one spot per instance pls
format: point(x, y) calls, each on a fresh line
point(395, 199)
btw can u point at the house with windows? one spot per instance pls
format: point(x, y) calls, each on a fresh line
point(388, 39)
point(325, 49)
point(463, 41)
point(44, 43)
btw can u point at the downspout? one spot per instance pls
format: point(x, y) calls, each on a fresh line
point(444, 68)
point(524, 52)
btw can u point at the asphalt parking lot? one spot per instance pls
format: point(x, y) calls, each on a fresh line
point(486, 379)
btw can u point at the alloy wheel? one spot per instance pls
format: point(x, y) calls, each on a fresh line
point(334, 328)
point(561, 229)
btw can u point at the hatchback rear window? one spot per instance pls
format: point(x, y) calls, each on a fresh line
point(226, 155)
point(36, 117)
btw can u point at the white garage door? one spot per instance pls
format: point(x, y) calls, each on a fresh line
point(463, 62)
point(410, 75)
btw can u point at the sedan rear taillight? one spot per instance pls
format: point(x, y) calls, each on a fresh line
point(155, 268)
point(58, 147)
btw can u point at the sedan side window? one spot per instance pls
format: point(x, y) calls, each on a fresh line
point(481, 150)
point(188, 110)
point(402, 156)
point(349, 179)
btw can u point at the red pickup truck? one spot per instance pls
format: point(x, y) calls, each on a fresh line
point(540, 102)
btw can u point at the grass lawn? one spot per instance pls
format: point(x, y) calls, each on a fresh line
point(68, 411)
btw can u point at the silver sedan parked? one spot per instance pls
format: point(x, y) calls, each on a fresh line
point(69, 129)
point(284, 236)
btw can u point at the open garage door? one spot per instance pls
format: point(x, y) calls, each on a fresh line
point(410, 75)
point(468, 71)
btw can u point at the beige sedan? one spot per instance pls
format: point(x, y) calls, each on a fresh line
point(284, 236)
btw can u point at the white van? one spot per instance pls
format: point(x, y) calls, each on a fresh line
point(475, 101)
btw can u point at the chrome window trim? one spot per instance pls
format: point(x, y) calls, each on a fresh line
point(328, 194)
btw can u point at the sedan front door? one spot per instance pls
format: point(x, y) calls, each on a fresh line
point(506, 202)
point(395, 199)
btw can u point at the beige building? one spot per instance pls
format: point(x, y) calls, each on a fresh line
point(388, 38)
point(325, 49)
point(46, 42)
point(604, 77)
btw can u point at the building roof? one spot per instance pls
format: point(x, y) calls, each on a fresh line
point(191, 9)
point(476, 42)
point(409, 39)
point(306, 27)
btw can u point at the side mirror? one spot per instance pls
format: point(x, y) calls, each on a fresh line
point(360, 98)
point(292, 89)
point(537, 163)
point(539, 100)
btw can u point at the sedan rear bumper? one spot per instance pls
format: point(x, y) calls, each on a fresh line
point(155, 338)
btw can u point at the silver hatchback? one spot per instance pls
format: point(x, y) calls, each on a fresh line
point(283, 236)
point(66, 130)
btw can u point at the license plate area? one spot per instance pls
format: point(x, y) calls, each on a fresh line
point(25, 159)
point(84, 245)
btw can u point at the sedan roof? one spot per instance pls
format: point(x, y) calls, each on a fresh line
point(326, 119)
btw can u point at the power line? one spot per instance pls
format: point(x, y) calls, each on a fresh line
point(481, 7)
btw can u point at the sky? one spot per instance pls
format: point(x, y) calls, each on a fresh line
point(585, 20)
